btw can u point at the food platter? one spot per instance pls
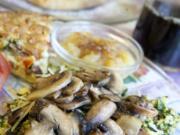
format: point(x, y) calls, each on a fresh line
point(44, 90)
point(141, 85)
point(113, 11)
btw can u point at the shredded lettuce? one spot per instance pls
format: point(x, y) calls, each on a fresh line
point(24, 127)
point(4, 126)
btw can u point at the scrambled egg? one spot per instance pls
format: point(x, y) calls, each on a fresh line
point(96, 50)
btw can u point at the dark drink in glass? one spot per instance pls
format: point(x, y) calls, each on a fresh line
point(158, 32)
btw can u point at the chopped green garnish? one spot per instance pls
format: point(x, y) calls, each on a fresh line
point(166, 120)
point(24, 127)
point(161, 104)
point(17, 103)
point(4, 125)
point(124, 93)
point(10, 40)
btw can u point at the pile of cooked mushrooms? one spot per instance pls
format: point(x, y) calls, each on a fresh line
point(81, 103)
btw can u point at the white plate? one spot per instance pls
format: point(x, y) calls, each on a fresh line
point(114, 11)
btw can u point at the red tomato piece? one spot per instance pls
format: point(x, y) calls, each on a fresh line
point(5, 69)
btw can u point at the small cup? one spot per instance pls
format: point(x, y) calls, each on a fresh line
point(62, 30)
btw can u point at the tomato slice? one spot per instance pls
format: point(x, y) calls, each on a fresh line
point(5, 69)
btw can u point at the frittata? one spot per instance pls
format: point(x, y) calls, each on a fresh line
point(25, 43)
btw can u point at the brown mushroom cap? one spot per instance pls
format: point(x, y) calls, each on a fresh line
point(59, 84)
point(140, 105)
point(101, 111)
point(113, 128)
point(43, 128)
point(76, 103)
point(66, 99)
point(97, 132)
point(92, 75)
point(75, 85)
point(116, 83)
point(130, 124)
point(112, 97)
point(59, 118)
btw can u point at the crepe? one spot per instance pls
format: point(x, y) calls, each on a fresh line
point(25, 41)
point(67, 4)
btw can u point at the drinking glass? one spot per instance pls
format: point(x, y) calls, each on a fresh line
point(158, 32)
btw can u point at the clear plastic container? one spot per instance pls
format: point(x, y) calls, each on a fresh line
point(62, 30)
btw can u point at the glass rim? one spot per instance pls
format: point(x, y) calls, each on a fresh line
point(81, 63)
